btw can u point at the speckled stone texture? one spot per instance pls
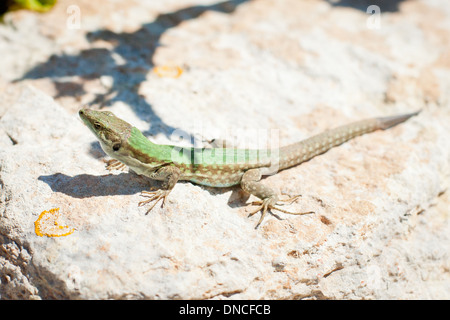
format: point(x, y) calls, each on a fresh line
point(381, 225)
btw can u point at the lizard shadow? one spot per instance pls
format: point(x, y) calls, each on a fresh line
point(127, 61)
point(238, 197)
point(124, 183)
point(87, 185)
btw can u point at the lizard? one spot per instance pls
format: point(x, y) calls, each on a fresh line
point(216, 167)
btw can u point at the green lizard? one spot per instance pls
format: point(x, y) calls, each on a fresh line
point(216, 167)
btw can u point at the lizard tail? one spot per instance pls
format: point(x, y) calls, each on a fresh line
point(299, 152)
point(388, 122)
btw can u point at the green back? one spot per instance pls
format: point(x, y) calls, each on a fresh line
point(204, 156)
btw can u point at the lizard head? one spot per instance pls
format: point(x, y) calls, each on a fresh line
point(111, 131)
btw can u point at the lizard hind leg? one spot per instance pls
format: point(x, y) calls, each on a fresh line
point(265, 205)
point(290, 199)
point(250, 183)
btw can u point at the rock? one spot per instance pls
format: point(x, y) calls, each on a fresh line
point(250, 68)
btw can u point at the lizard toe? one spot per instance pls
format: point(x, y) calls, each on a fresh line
point(153, 196)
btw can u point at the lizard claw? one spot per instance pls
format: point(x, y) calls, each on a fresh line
point(114, 164)
point(154, 196)
point(290, 199)
point(269, 204)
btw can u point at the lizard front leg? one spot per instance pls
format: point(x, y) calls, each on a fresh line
point(170, 176)
point(251, 183)
point(114, 164)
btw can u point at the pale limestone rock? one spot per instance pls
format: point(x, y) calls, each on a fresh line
point(381, 225)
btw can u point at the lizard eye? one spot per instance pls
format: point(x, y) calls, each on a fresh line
point(116, 146)
point(97, 125)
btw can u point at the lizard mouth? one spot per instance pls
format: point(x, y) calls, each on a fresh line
point(91, 121)
point(83, 114)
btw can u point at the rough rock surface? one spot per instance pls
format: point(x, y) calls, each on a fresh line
point(381, 225)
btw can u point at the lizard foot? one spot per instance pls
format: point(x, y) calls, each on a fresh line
point(269, 204)
point(114, 164)
point(290, 199)
point(154, 196)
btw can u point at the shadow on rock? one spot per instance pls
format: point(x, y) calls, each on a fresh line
point(86, 185)
point(136, 50)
